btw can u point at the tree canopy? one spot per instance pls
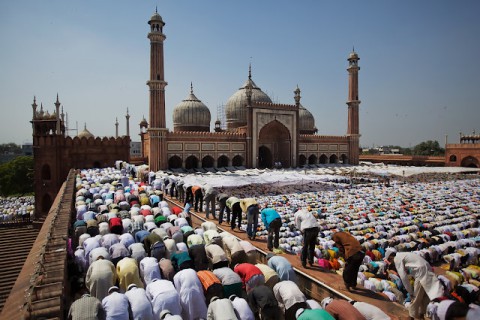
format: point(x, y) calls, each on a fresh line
point(16, 176)
point(428, 148)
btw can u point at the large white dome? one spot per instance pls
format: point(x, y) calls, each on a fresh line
point(235, 109)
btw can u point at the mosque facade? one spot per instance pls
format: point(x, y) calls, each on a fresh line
point(258, 133)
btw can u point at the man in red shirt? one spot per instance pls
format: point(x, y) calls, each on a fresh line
point(251, 276)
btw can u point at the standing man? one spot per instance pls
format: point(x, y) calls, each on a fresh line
point(233, 203)
point(426, 287)
point(198, 195)
point(222, 199)
point(250, 207)
point(272, 221)
point(308, 226)
point(210, 194)
point(349, 248)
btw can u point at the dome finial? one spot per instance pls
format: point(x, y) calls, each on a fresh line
point(250, 71)
point(191, 87)
point(85, 126)
point(156, 11)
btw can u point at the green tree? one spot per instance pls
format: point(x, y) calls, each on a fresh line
point(428, 148)
point(16, 176)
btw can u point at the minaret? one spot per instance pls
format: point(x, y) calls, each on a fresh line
point(57, 113)
point(157, 131)
point(127, 117)
point(116, 127)
point(353, 104)
point(34, 107)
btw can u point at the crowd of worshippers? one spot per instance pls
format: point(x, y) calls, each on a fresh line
point(14, 209)
point(136, 266)
point(121, 222)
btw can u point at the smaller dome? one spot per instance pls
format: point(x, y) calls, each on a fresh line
point(85, 133)
point(306, 121)
point(191, 115)
point(156, 18)
point(353, 56)
point(144, 122)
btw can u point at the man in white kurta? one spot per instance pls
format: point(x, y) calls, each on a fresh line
point(139, 303)
point(426, 286)
point(149, 270)
point(100, 277)
point(191, 294)
point(163, 296)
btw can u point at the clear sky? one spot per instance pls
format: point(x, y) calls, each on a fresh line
point(418, 80)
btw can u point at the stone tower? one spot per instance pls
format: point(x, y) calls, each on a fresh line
point(48, 132)
point(353, 103)
point(157, 132)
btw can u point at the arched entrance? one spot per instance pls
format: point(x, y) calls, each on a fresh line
point(175, 162)
point(222, 161)
point(323, 159)
point(344, 159)
point(333, 158)
point(207, 162)
point(237, 161)
point(274, 143)
point(302, 160)
point(470, 162)
point(312, 159)
point(191, 162)
point(264, 158)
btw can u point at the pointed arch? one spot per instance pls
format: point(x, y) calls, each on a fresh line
point(237, 161)
point(323, 159)
point(275, 137)
point(175, 162)
point(344, 158)
point(312, 159)
point(333, 158)
point(302, 160)
point(207, 162)
point(470, 162)
point(191, 162)
point(222, 161)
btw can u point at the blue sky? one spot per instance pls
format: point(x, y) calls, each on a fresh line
point(418, 78)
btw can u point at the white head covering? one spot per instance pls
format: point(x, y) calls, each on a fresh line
point(389, 251)
point(325, 302)
point(442, 308)
point(299, 312)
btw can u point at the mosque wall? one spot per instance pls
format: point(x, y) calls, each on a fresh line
point(209, 149)
point(55, 155)
point(462, 155)
point(316, 149)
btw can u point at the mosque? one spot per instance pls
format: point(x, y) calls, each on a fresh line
point(258, 133)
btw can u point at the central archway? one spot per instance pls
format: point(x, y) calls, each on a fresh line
point(275, 145)
point(264, 158)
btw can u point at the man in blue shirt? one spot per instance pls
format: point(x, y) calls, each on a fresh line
point(272, 221)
